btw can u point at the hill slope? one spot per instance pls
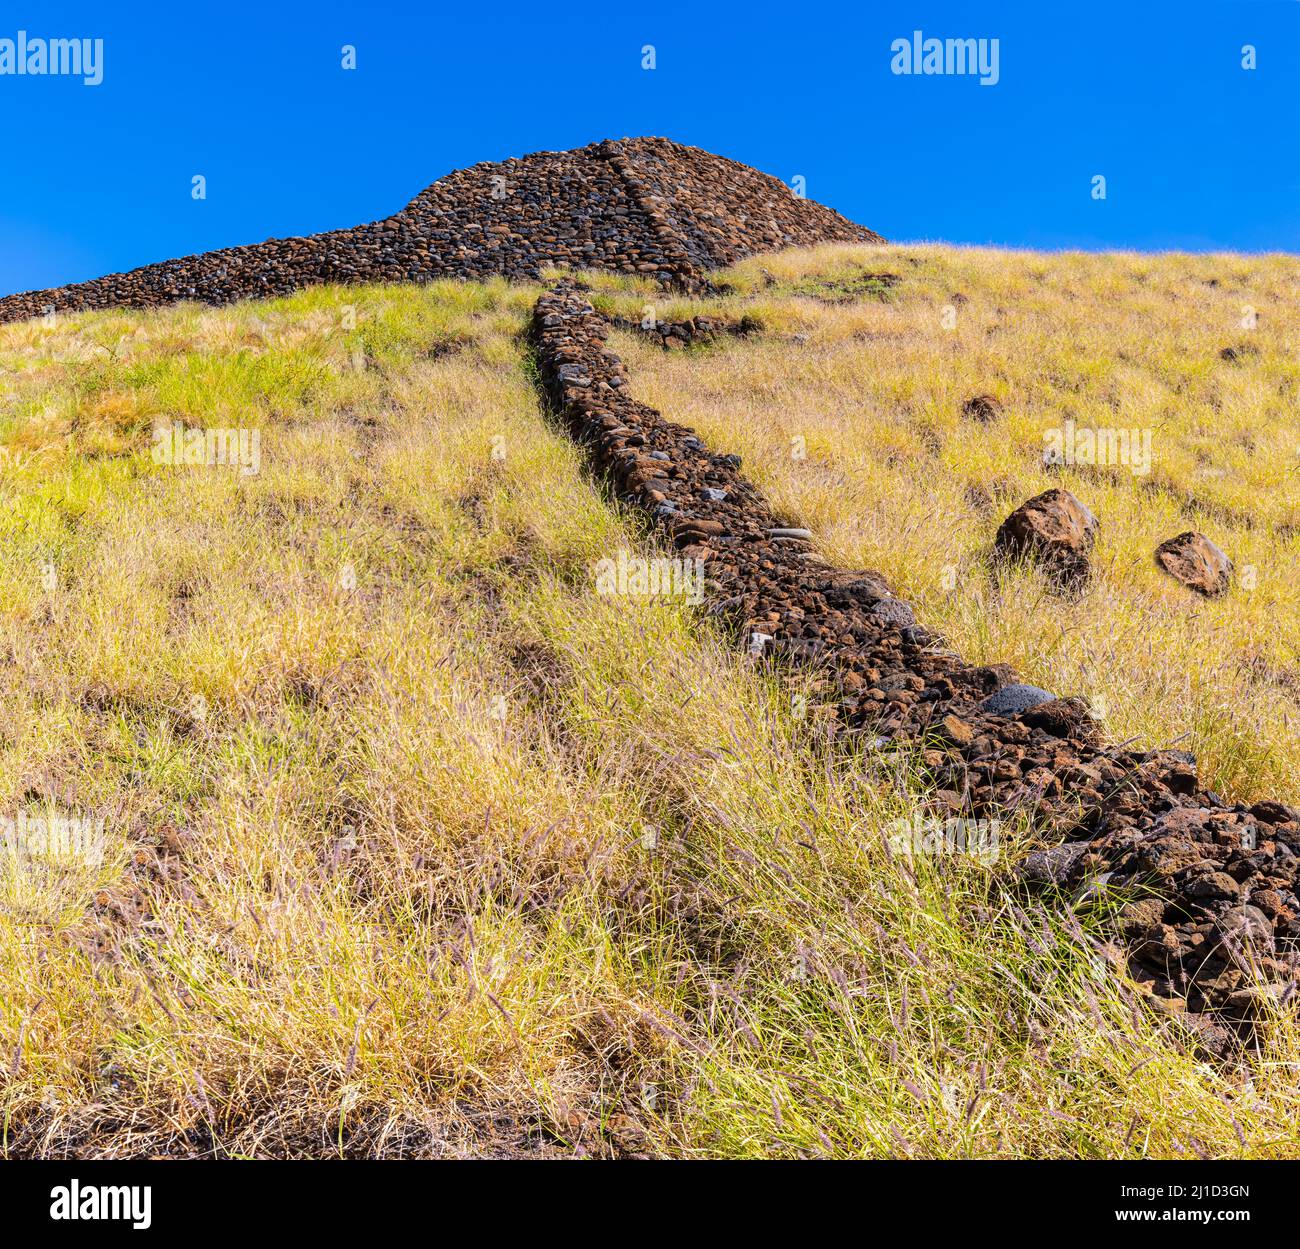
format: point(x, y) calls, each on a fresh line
point(417, 842)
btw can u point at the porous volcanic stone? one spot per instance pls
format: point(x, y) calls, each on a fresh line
point(1192, 559)
point(1011, 700)
point(1054, 528)
point(982, 408)
point(1238, 352)
point(895, 612)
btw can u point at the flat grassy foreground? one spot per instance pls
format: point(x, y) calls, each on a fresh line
point(415, 844)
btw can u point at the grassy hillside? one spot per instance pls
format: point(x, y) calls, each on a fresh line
point(416, 844)
point(872, 377)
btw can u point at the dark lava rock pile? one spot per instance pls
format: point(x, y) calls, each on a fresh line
point(1211, 917)
point(645, 206)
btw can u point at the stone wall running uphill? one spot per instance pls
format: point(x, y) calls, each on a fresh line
point(1212, 920)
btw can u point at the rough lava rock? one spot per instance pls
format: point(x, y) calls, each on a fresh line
point(982, 408)
point(1011, 700)
point(1192, 559)
point(1055, 529)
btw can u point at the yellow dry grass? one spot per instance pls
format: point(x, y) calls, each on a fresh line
point(849, 415)
point(415, 844)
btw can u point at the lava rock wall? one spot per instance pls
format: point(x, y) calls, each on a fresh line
point(1211, 922)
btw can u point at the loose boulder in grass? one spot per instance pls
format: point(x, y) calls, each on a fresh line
point(982, 408)
point(1239, 352)
point(1192, 559)
point(1055, 530)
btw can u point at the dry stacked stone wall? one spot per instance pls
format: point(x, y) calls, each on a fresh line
point(1211, 915)
point(643, 206)
point(722, 211)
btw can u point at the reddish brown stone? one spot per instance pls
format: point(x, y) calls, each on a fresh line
point(982, 408)
point(1192, 559)
point(1053, 528)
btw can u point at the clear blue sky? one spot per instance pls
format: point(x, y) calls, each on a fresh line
point(1198, 152)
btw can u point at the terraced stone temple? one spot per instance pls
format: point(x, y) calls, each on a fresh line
point(644, 206)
